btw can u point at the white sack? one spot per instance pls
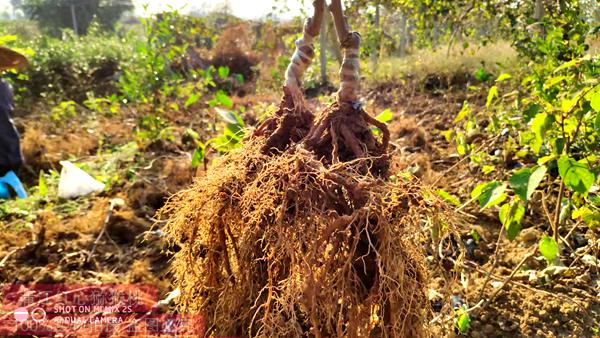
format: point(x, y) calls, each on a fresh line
point(75, 182)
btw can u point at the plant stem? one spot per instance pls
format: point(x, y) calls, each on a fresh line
point(350, 44)
point(561, 193)
point(570, 140)
point(494, 263)
point(512, 274)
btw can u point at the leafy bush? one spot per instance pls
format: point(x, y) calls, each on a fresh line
point(549, 129)
point(71, 67)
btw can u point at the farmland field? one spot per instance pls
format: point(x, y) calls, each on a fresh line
point(450, 188)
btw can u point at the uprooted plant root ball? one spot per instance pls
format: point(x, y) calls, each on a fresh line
point(284, 246)
point(302, 231)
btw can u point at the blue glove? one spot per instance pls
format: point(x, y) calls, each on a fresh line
point(4, 193)
point(11, 179)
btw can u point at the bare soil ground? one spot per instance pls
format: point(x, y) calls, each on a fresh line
point(57, 246)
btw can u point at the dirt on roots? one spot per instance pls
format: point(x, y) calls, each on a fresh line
point(298, 242)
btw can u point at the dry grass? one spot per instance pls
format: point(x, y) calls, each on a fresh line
point(494, 58)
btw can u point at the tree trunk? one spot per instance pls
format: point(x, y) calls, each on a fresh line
point(538, 13)
point(334, 45)
point(403, 34)
point(323, 48)
point(74, 18)
point(377, 24)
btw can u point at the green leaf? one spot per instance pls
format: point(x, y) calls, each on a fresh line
point(492, 94)
point(510, 216)
point(462, 147)
point(385, 116)
point(568, 64)
point(487, 169)
point(503, 76)
point(482, 75)
point(227, 115)
point(489, 194)
point(198, 156)
point(576, 175)
point(525, 181)
point(224, 99)
point(446, 196)
point(539, 125)
point(595, 101)
point(465, 110)
point(475, 235)
point(590, 217)
point(223, 72)
point(463, 320)
point(42, 187)
point(549, 248)
point(554, 81)
point(545, 159)
point(191, 100)
point(567, 104)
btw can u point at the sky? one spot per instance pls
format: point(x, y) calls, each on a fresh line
point(247, 9)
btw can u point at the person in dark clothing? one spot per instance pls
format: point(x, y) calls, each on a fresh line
point(11, 157)
point(10, 149)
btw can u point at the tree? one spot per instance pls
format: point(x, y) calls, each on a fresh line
point(54, 15)
point(16, 4)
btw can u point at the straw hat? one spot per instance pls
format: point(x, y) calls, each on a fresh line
point(9, 59)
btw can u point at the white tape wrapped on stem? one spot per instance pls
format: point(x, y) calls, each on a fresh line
point(301, 60)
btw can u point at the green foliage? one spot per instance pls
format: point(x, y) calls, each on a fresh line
point(71, 67)
point(446, 196)
point(549, 124)
point(511, 215)
point(385, 116)
point(157, 73)
point(525, 181)
point(63, 111)
point(483, 75)
point(108, 106)
point(233, 132)
point(576, 175)
point(152, 75)
point(489, 194)
point(221, 99)
point(548, 248)
point(462, 319)
point(152, 128)
point(55, 15)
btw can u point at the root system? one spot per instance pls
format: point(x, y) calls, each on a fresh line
point(343, 133)
point(290, 124)
point(300, 232)
point(284, 246)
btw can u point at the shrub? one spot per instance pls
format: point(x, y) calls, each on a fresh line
point(70, 67)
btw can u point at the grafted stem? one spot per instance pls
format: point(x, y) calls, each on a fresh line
point(350, 43)
point(293, 120)
point(305, 50)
